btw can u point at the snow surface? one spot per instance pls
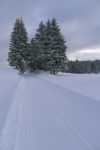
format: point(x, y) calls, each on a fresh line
point(47, 112)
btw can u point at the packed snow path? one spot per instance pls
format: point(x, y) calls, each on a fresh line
point(43, 112)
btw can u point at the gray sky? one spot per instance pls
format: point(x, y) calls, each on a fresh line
point(79, 21)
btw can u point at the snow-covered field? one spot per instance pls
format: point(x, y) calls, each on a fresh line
point(47, 112)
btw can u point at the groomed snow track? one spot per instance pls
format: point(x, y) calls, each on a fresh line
point(39, 114)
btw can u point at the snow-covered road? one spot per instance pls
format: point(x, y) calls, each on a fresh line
point(42, 112)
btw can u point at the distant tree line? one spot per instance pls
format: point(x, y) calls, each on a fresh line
point(83, 66)
point(45, 51)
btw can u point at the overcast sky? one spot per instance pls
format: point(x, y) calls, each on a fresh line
point(79, 21)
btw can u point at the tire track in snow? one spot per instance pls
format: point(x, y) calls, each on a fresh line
point(65, 118)
point(6, 99)
point(54, 114)
point(9, 132)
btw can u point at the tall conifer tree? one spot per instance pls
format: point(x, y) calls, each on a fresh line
point(56, 48)
point(33, 58)
point(18, 48)
point(40, 40)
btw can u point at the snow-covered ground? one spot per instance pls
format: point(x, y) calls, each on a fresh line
point(47, 112)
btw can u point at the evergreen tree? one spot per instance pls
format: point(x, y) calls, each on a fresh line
point(18, 48)
point(47, 46)
point(51, 47)
point(40, 40)
point(56, 48)
point(94, 67)
point(33, 58)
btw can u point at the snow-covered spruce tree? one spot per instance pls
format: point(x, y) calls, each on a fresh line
point(47, 46)
point(55, 48)
point(33, 57)
point(40, 40)
point(18, 48)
